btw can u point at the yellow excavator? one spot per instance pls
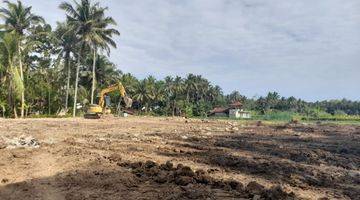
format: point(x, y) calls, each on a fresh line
point(95, 111)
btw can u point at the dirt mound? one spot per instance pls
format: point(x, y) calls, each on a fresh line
point(190, 181)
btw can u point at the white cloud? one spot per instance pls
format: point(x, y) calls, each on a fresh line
point(305, 48)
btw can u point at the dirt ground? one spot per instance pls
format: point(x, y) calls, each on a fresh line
point(175, 158)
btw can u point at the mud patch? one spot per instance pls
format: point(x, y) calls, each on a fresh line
point(199, 184)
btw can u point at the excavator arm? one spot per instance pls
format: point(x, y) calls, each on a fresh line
point(95, 111)
point(111, 88)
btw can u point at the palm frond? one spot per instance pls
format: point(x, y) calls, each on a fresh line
point(67, 7)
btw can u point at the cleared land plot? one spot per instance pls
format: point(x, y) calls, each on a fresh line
point(138, 158)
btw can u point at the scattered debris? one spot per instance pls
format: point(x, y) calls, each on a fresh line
point(184, 137)
point(22, 141)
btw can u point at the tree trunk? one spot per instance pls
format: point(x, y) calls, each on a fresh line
point(67, 63)
point(15, 113)
point(9, 97)
point(22, 79)
point(188, 96)
point(29, 110)
point(93, 78)
point(173, 109)
point(49, 102)
point(76, 84)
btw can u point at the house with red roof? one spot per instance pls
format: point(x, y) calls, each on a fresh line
point(233, 110)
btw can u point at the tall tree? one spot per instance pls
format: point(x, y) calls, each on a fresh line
point(130, 82)
point(235, 96)
point(66, 40)
point(8, 50)
point(106, 72)
point(19, 18)
point(272, 99)
point(90, 24)
point(178, 88)
point(83, 18)
point(145, 92)
point(101, 38)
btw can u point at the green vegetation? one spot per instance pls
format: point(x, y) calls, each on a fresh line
point(44, 70)
point(276, 116)
point(289, 116)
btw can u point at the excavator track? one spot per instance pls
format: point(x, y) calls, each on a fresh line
point(92, 116)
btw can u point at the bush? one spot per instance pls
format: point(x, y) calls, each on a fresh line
point(333, 118)
point(201, 108)
point(277, 116)
point(188, 110)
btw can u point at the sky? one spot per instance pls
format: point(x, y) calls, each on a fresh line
point(303, 48)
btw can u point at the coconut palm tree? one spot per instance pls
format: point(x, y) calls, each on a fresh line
point(9, 50)
point(106, 71)
point(159, 92)
point(272, 99)
point(235, 96)
point(89, 23)
point(102, 38)
point(145, 92)
point(213, 94)
point(80, 18)
point(191, 86)
point(178, 88)
point(19, 18)
point(168, 90)
point(66, 42)
point(3, 108)
point(130, 82)
point(2, 78)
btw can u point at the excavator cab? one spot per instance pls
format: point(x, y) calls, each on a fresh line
point(95, 111)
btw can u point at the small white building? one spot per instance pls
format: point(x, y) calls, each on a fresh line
point(239, 113)
point(233, 111)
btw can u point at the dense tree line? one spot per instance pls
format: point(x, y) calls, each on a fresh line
point(44, 69)
point(274, 102)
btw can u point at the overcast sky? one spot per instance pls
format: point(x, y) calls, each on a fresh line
point(303, 48)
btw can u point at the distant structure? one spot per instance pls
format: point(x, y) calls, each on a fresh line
point(234, 110)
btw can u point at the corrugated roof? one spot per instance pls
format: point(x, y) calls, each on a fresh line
point(236, 104)
point(219, 110)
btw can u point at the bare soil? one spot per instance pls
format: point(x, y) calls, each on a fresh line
point(175, 158)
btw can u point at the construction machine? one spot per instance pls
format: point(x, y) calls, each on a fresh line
point(95, 111)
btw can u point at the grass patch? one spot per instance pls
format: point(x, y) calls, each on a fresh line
point(276, 116)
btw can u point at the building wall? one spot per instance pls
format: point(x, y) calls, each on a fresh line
point(220, 115)
point(245, 115)
point(234, 113)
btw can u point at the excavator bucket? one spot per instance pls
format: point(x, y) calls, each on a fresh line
point(128, 102)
